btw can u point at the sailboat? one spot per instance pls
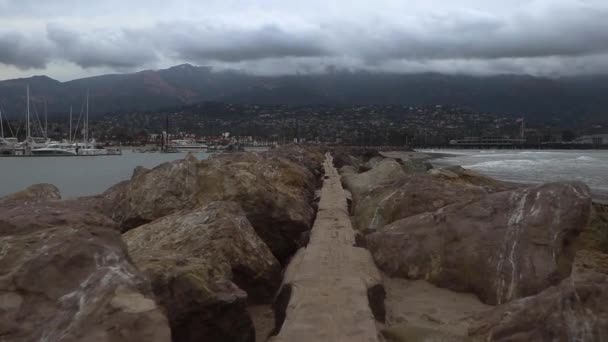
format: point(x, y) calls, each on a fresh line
point(7, 145)
point(89, 147)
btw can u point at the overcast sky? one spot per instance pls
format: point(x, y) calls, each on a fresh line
point(67, 39)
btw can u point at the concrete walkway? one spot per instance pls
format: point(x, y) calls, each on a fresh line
point(332, 290)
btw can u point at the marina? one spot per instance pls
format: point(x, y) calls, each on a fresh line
point(43, 146)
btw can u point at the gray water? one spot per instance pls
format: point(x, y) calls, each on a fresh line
point(77, 176)
point(536, 166)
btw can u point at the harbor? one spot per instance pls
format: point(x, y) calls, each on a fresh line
point(43, 146)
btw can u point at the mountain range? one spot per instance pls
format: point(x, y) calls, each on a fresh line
point(565, 99)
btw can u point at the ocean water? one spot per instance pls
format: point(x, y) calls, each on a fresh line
point(536, 166)
point(77, 176)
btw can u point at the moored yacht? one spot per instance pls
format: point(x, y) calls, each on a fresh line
point(188, 146)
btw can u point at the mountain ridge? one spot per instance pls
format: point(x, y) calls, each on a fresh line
point(149, 90)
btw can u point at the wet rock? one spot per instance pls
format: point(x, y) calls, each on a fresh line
point(574, 310)
point(70, 284)
point(34, 193)
point(409, 196)
point(205, 266)
point(508, 245)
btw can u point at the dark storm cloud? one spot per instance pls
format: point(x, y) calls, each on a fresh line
point(23, 52)
point(195, 43)
point(116, 49)
point(474, 36)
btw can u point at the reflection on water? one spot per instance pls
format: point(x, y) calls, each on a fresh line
point(77, 176)
point(588, 166)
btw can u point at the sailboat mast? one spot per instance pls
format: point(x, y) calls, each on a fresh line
point(86, 122)
point(28, 112)
point(1, 125)
point(70, 133)
point(46, 132)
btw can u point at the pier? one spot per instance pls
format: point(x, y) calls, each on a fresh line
point(332, 290)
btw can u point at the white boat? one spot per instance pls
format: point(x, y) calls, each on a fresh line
point(55, 150)
point(188, 146)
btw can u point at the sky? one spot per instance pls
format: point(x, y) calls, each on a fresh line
point(68, 39)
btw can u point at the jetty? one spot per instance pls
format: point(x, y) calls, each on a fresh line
point(332, 290)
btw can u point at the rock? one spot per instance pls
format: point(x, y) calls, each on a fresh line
point(203, 264)
point(161, 191)
point(347, 170)
point(275, 193)
point(373, 162)
point(357, 157)
point(415, 166)
point(111, 203)
point(574, 310)
point(387, 171)
point(508, 245)
point(461, 175)
point(409, 196)
point(70, 284)
point(34, 193)
point(411, 333)
point(20, 218)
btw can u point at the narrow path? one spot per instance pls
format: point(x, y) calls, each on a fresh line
point(332, 290)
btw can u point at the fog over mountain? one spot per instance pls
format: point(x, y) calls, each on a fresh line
point(69, 39)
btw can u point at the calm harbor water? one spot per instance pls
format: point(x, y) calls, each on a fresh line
point(538, 166)
point(77, 176)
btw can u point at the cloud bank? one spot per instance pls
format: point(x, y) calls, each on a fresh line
point(543, 37)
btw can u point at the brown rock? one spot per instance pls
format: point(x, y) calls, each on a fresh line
point(409, 196)
point(275, 193)
point(508, 245)
point(34, 193)
point(385, 172)
point(574, 310)
point(202, 264)
point(25, 217)
point(70, 284)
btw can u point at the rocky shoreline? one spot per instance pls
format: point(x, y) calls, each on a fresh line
point(196, 250)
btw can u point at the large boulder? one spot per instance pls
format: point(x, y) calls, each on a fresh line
point(276, 193)
point(508, 245)
point(69, 284)
point(409, 196)
point(112, 203)
point(574, 310)
point(357, 157)
point(386, 171)
point(205, 265)
point(24, 216)
point(34, 193)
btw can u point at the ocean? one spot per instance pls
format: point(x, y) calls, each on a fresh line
point(77, 176)
point(535, 166)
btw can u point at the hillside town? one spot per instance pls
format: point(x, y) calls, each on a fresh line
point(351, 125)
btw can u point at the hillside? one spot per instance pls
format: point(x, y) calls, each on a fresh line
point(542, 98)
